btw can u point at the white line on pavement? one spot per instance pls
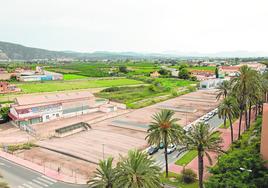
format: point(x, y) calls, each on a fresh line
point(50, 179)
point(40, 183)
point(45, 181)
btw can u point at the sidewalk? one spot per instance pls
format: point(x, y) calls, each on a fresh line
point(48, 172)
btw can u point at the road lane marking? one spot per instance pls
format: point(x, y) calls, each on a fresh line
point(40, 183)
point(45, 181)
point(50, 179)
point(35, 185)
point(25, 185)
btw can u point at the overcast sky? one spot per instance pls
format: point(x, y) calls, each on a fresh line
point(205, 26)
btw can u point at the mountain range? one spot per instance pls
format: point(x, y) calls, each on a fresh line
point(12, 51)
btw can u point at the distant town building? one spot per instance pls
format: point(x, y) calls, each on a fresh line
point(5, 87)
point(154, 74)
point(264, 133)
point(211, 83)
point(39, 75)
point(30, 110)
point(230, 71)
point(203, 74)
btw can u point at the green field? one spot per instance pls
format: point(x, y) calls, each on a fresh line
point(73, 76)
point(136, 97)
point(50, 86)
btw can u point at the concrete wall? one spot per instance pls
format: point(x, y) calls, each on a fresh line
point(264, 133)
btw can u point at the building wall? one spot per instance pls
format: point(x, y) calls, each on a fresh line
point(264, 133)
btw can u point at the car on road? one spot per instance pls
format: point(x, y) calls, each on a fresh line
point(211, 114)
point(152, 150)
point(171, 148)
point(161, 145)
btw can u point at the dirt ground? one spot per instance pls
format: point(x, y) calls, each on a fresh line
point(107, 139)
point(68, 165)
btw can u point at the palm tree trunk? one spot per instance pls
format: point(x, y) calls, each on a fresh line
point(240, 122)
point(256, 111)
point(200, 169)
point(231, 127)
point(246, 119)
point(249, 115)
point(166, 157)
point(224, 121)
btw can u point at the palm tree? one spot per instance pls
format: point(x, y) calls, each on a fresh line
point(229, 108)
point(201, 139)
point(223, 90)
point(164, 129)
point(137, 170)
point(240, 89)
point(104, 176)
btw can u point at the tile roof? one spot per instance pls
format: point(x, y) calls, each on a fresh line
point(52, 98)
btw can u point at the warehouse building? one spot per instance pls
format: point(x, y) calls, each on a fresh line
point(29, 110)
point(38, 75)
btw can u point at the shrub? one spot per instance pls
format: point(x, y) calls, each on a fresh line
point(188, 176)
point(4, 113)
point(111, 89)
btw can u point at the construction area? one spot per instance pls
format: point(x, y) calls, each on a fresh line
point(109, 134)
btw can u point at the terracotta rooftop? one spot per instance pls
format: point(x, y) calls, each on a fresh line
point(52, 98)
point(230, 68)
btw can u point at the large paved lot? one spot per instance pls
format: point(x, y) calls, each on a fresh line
point(119, 134)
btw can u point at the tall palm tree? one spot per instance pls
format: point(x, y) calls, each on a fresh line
point(104, 176)
point(240, 89)
point(229, 108)
point(137, 170)
point(164, 129)
point(201, 139)
point(223, 90)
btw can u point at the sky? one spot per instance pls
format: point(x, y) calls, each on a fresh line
point(204, 26)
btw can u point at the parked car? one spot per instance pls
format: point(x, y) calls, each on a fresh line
point(152, 150)
point(171, 148)
point(161, 145)
point(211, 114)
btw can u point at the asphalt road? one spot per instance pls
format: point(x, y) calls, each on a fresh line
point(214, 122)
point(20, 177)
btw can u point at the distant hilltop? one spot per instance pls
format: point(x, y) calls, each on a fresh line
point(12, 51)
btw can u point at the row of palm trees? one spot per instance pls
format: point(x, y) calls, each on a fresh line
point(138, 170)
point(240, 95)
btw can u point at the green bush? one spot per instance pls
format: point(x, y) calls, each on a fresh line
point(4, 113)
point(111, 89)
point(25, 146)
point(188, 176)
point(242, 165)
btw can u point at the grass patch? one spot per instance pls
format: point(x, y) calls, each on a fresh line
point(16, 147)
point(73, 76)
point(173, 180)
point(186, 158)
point(141, 96)
point(51, 86)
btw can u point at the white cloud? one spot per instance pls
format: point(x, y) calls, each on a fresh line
point(137, 25)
